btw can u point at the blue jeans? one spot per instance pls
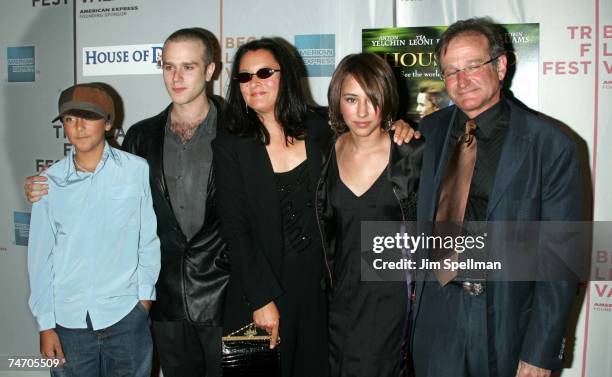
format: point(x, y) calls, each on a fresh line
point(124, 349)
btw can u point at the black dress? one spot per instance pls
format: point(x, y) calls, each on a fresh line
point(304, 303)
point(368, 321)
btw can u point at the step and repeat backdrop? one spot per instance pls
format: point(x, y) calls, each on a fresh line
point(47, 45)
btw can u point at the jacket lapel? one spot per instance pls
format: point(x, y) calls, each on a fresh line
point(156, 160)
point(211, 187)
point(157, 163)
point(442, 155)
point(259, 176)
point(319, 140)
point(513, 154)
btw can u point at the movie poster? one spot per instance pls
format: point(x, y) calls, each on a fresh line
point(410, 52)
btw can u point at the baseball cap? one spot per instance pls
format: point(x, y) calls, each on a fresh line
point(90, 101)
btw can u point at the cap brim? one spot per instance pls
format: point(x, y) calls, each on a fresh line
point(85, 114)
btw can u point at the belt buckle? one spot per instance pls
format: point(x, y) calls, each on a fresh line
point(474, 289)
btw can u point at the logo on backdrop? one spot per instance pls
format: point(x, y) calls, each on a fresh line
point(318, 52)
point(100, 9)
point(602, 297)
point(47, 3)
point(582, 37)
point(141, 59)
point(20, 64)
point(602, 274)
point(230, 45)
point(22, 228)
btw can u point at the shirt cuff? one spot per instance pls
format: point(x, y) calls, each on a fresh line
point(146, 292)
point(46, 321)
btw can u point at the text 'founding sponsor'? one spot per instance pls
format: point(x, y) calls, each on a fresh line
point(122, 60)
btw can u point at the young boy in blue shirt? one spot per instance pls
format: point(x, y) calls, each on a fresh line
point(94, 255)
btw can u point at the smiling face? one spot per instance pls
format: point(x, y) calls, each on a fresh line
point(260, 94)
point(185, 72)
point(86, 135)
point(358, 112)
point(475, 92)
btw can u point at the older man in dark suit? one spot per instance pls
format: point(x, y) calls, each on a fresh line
point(522, 169)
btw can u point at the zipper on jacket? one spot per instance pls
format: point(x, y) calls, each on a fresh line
point(321, 232)
point(331, 280)
point(399, 201)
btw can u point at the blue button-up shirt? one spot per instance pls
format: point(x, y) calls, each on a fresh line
point(93, 244)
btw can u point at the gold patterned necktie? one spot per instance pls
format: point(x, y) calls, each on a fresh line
point(455, 191)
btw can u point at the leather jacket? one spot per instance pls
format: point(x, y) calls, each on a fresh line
point(194, 273)
point(403, 172)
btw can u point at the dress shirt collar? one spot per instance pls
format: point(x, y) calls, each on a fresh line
point(206, 124)
point(488, 119)
point(72, 171)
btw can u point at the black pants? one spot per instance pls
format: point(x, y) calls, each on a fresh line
point(186, 350)
point(303, 315)
point(450, 334)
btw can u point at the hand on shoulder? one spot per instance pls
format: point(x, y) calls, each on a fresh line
point(35, 188)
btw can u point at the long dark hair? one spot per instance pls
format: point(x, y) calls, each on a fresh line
point(290, 107)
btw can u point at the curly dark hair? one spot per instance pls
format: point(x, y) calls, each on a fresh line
point(291, 104)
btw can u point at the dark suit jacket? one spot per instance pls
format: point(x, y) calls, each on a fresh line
point(538, 179)
point(251, 215)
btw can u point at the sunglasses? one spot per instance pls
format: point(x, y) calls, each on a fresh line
point(262, 73)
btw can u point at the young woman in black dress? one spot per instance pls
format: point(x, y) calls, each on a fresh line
point(366, 178)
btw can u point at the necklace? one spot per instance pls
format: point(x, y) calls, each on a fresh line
point(80, 168)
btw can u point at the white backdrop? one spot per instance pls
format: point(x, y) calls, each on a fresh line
point(69, 36)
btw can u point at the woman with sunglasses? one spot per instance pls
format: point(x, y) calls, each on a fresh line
point(366, 178)
point(267, 164)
